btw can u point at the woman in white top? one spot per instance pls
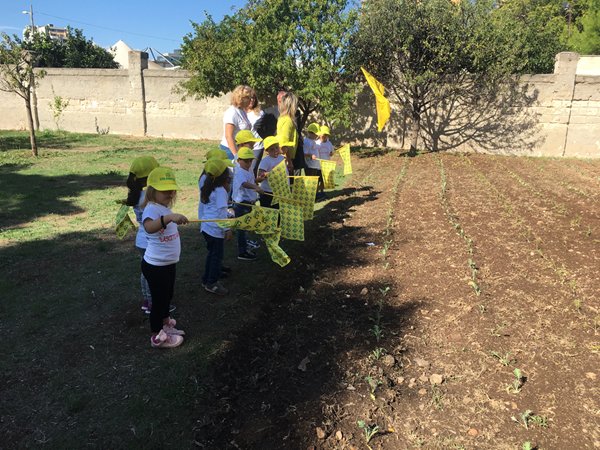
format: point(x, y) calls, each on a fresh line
point(254, 112)
point(236, 118)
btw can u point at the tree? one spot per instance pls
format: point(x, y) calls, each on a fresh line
point(17, 76)
point(538, 30)
point(76, 51)
point(277, 44)
point(446, 65)
point(586, 37)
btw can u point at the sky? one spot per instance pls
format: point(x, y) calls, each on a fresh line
point(157, 24)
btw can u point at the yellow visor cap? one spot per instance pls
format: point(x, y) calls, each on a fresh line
point(162, 179)
point(244, 136)
point(245, 153)
point(142, 166)
point(216, 167)
point(270, 141)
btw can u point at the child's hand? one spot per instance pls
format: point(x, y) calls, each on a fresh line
point(179, 219)
point(259, 190)
point(228, 235)
point(313, 156)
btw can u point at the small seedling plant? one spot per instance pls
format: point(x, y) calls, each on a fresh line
point(528, 418)
point(373, 385)
point(517, 384)
point(370, 431)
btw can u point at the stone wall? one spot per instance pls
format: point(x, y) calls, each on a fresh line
point(565, 115)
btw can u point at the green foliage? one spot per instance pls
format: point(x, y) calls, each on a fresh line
point(536, 28)
point(273, 45)
point(58, 106)
point(587, 39)
point(75, 52)
point(440, 61)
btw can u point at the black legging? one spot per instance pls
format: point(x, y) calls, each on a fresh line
point(161, 280)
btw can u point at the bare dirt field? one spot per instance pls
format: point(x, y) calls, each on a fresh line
point(421, 289)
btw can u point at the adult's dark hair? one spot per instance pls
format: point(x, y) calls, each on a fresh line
point(211, 183)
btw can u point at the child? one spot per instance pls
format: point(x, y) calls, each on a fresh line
point(246, 138)
point(245, 191)
point(273, 158)
point(162, 254)
point(324, 144)
point(311, 154)
point(214, 197)
point(136, 182)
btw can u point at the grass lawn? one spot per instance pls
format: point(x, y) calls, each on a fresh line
point(78, 368)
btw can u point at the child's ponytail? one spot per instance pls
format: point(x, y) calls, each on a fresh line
point(211, 183)
point(136, 186)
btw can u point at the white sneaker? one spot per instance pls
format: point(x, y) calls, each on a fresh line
point(164, 340)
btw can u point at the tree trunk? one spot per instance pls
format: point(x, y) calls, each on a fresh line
point(34, 148)
point(34, 102)
point(414, 133)
point(36, 117)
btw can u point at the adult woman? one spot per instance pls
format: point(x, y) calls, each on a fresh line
point(236, 119)
point(254, 112)
point(287, 103)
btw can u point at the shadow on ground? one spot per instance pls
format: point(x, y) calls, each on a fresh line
point(28, 197)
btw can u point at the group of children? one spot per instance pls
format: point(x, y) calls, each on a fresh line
point(227, 190)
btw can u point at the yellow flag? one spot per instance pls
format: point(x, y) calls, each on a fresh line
point(292, 221)
point(123, 222)
point(277, 254)
point(345, 154)
point(260, 220)
point(382, 104)
point(278, 180)
point(304, 191)
point(327, 170)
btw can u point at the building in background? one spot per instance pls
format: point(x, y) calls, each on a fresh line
point(49, 30)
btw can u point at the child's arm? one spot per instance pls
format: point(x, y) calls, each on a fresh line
point(254, 187)
point(152, 226)
point(262, 175)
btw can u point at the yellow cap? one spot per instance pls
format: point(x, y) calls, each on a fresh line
point(245, 153)
point(244, 136)
point(216, 167)
point(313, 128)
point(143, 165)
point(270, 141)
point(324, 130)
point(217, 153)
point(162, 179)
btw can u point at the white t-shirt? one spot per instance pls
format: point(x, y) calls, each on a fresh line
point(216, 208)
point(200, 204)
point(164, 246)
point(325, 149)
point(141, 238)
point(238, 118)
point(310, 148)
point(267, 164)
point(253, 118)
point(240, 193)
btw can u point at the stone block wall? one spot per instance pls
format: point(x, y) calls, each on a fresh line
point(143, 102)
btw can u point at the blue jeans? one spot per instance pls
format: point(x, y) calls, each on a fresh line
point(229, 154)
point(242, 243)
point(214, 258)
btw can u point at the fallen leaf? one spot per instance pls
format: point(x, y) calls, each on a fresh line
point(320, 433)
